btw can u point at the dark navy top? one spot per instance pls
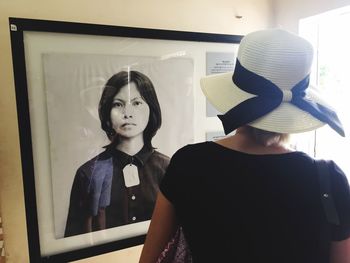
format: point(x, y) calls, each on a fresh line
point(238, 207)
point(99, 190)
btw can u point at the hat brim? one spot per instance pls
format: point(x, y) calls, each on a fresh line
point(223, 94)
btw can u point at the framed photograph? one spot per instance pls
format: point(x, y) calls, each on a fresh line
point(101, 110)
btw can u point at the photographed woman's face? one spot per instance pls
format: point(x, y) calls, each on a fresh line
point(130, 113)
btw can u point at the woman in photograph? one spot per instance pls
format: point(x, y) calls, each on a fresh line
point(119, 186)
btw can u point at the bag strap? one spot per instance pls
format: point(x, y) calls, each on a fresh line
point(326, 193)
point(330, 211)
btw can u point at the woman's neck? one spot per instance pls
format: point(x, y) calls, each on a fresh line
point(243, 141)
point(130, 146)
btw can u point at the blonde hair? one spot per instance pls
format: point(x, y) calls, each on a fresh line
point(268, 138)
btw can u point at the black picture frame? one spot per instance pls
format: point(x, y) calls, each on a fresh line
point(18, 27)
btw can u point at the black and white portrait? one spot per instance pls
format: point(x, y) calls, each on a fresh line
point(114, 122)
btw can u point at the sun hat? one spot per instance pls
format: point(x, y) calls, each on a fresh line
point(269, 88)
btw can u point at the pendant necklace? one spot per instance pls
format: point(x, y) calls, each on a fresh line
point(131, 174)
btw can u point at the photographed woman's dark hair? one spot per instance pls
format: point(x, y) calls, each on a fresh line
point(148, 93)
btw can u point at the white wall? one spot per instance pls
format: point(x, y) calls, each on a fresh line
point(287, 13)
point(187, 15)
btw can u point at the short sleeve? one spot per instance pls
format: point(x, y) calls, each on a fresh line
point(341, 193)
point(173, 179)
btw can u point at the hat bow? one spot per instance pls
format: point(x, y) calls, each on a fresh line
point(268, 97)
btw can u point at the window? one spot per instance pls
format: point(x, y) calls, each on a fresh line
point(329, 34)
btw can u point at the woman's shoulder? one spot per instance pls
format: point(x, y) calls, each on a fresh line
point(337, 173)
point(192, 147)
point(190, 152)
point(160, 156)
point(89, 165)
point(187, 150)
point(160, 159)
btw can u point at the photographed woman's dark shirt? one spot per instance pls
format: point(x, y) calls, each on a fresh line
point(124, 205)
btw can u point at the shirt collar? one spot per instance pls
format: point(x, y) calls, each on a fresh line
point(138, 159)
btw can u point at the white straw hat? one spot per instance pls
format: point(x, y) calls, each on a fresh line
point(270, 64)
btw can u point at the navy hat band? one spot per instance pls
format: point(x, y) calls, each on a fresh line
point(269, 97)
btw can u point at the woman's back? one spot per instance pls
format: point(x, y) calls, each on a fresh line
point(247, 207)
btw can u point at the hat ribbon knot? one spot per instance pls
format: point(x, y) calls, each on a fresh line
point(269, 97)
point(287, 95)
